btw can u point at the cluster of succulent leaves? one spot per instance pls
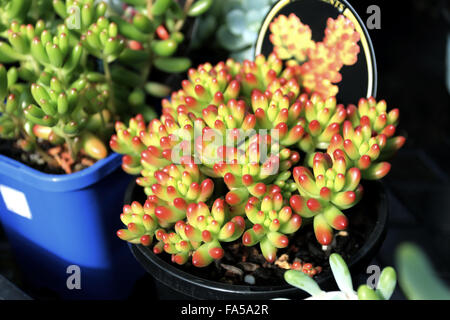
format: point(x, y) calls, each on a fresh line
point(234, 25)
point(383, 289)
point(76, 66)
point(156, 30)
point(22, 10)
point(317, 64)
point(223, 161)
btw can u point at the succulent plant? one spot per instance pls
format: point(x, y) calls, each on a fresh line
point(374, 114)
point(234, 24)
point(141, 224)
point(416, 278)
point(23, 11)
point(271, 220)
point(206, 85)
point(155, 30)
point(323, 121)
point(52, 96)
point(241, 129)
point(278, 111)
point(203, 232)
point(248, 173)
point(175, 188)
point(13, 10)
point(76, 72)
point(330, 188)
point(367, 138)
point(385, 286)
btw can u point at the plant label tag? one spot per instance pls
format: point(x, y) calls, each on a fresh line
point(311, 20)
point(15, 201)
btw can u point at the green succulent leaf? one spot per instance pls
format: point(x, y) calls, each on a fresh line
point(136, 2)
point(159, 7)
point(341, 273)
point(366, 293)
point(7, 54)
point(157, 89)
point(255, 18)
point(236, 21)
point(199, 7)
point(129, 30)
point(164, 48)
point(17, 9)
point(386, 283)
point(228, 40)
point(417, 277)
point(172, 64)
point(3, 83)
point(300, 280)
point(249, 37)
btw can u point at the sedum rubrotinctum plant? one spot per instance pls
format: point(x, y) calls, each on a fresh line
point(79, 67)
point(244, 152)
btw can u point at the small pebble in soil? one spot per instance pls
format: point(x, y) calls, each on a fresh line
point(232, 271)
point(248, 266)
point(37, 158)
point(342, 233)
point(249, 279)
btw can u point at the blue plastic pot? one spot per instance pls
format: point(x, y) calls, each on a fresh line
point(56, 222)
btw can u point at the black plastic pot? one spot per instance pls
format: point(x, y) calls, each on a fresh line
point(173, 283)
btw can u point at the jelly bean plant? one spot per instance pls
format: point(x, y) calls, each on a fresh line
point(251, 152)
point(70, 71)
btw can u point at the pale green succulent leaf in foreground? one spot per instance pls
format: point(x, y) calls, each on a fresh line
point(341, 273)
point(300, 280)
point(366, 293)
point(386, 283)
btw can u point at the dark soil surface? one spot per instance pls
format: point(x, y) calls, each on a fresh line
point(32, 159)
point(243, 265)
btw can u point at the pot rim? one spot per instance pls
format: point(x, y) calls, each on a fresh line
point(377, 232)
